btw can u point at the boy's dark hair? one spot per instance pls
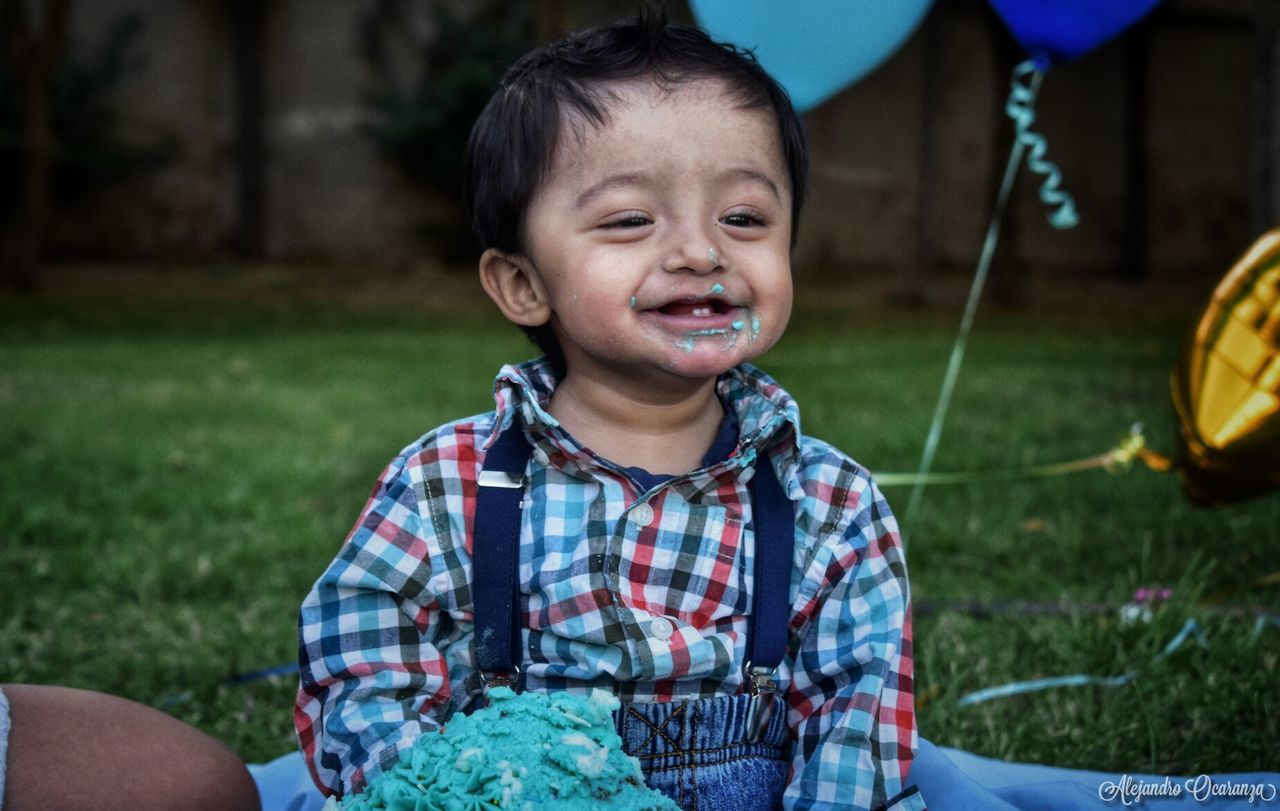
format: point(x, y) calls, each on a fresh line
point(513, 141)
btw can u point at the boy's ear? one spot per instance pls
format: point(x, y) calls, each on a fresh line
point(512, 281)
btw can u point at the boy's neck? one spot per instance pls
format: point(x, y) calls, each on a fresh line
point(663, 432)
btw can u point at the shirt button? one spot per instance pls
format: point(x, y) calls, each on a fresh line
point(661, 628)
point(642, 515)
point(540, 456)
point(747, 474)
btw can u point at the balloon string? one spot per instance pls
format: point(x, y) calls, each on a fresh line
point(1024, 87)
point(1118, 459)
point(1021, 108)
point(989, 244)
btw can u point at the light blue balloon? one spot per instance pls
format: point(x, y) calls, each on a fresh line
point(814, 48)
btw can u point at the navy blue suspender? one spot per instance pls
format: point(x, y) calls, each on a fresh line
point(495, 556)
point(495, 562)
point(774, 517)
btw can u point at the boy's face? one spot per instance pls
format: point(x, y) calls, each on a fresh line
point(662, 238)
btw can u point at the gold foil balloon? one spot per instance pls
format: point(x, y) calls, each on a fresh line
point(1226, 384)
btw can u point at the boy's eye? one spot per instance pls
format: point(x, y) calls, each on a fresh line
point(628, 219)
point(742, 219)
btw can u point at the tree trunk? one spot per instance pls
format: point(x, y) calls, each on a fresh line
point(34, 55)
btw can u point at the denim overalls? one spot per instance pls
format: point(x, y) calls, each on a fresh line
point(724, 752)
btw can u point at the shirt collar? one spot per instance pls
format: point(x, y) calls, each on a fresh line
point(768, 417)
point(523, 389)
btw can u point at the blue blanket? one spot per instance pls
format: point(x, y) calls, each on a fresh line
point(950, 780)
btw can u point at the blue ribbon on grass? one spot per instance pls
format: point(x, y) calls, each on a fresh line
point(1190, 628)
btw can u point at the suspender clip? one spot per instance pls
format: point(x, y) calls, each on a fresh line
point(478, 684)
point(764, 694)
point(501, 679)
point(501, 479)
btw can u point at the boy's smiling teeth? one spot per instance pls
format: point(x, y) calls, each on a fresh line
point(699, 308)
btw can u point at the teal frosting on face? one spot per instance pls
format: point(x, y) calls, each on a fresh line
point(529, 751)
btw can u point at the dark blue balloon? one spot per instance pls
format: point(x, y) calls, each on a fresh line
point(1062, 30)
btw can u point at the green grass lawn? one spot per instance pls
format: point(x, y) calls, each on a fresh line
point(179, 459)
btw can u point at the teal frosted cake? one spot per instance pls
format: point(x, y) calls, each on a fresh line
point(528, 751)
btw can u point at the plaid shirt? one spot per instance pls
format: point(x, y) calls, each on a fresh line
point(645, 593)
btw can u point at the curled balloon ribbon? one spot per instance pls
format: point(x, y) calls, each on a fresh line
point(1021, 108)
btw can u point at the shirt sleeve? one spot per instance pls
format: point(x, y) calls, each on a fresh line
point(852, 693)
point(371, 672)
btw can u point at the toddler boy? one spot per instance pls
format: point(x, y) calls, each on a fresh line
point(636, 188)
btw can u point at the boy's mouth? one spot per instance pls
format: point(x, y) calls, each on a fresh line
point(697, 308)
point(705, 315)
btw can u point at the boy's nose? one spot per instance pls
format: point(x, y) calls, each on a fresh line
point(694, 251)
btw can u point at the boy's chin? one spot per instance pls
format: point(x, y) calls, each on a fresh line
point(703, 365)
